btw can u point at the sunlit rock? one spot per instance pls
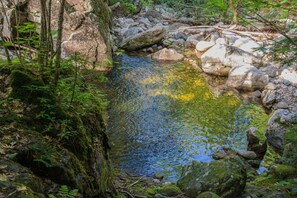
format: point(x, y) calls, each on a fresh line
point(144, 39)
point(204, 45)
point(247, 78)
point(167, 55)
point(221, 58)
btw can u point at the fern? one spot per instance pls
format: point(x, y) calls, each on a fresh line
point(64, 192)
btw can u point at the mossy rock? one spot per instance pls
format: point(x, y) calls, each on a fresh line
point(208, 195)
point(58, 164)
point(168, 191)
point(17, 174)
point(267, 181)
point(226, 177)
point(282, 171)
point(289, 156)
point(29, 88)
point(17, 190)
point(263, 191)
point(291, 134)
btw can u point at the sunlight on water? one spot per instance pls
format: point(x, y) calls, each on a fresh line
point(164, 116)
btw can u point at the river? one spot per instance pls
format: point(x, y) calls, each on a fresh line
point(162, 116)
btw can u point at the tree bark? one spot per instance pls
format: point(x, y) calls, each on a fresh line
point(59, 41)
point(234, 11)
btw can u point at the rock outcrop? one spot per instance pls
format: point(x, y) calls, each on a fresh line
point(86, 28)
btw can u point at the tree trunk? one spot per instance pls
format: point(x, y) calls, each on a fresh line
point(59, 41)
point(42, 56)
point(233, 9)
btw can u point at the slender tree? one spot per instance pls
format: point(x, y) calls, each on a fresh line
point(59, 41)
point(42, 57)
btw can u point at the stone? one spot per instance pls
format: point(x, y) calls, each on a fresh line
point(247, 78)
point(167, 55)
point(220, 58)
point(277, 127)
point(290, 76)
point(89, 43)
point(281, 105)
point(167, 191)
point(208, 195)
point(270, 86)
point(268, 98)
point(144, 39)
point(226, 178)
point(249, 155)
point(252, 137)
point(146, 22)
point(132, 31)
point(12, 19)
point(248, 45)
point(204, 45)
point(272, 71)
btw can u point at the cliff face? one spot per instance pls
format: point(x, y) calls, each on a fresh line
point(86, 25)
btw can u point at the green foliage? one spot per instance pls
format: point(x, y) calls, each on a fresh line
point(64, 192)
point(43, 153)
point(132, 5)
point(81, 93)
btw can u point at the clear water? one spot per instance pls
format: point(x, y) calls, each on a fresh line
point(164, 116)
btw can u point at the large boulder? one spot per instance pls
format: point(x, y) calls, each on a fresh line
point(277, 127)
point(226, 177)
point(247, 78)
point(11, 19)
point(167, 55)
point(86, 28)
point(221, 58)
point(144, 39)
point(248, 45)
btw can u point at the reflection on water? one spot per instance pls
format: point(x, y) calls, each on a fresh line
point(164, 116)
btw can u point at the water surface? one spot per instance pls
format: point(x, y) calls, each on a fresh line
point(164, 116)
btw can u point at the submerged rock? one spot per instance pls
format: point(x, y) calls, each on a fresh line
point(144, 39)
point(167, 55)
point(226, 177)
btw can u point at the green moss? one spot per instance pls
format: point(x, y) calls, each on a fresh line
point(289, 156)
point(168, 191)
point(281, 171)
point(208, 195)
point(28, 88)
point(291, 134)
point(267, 181)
